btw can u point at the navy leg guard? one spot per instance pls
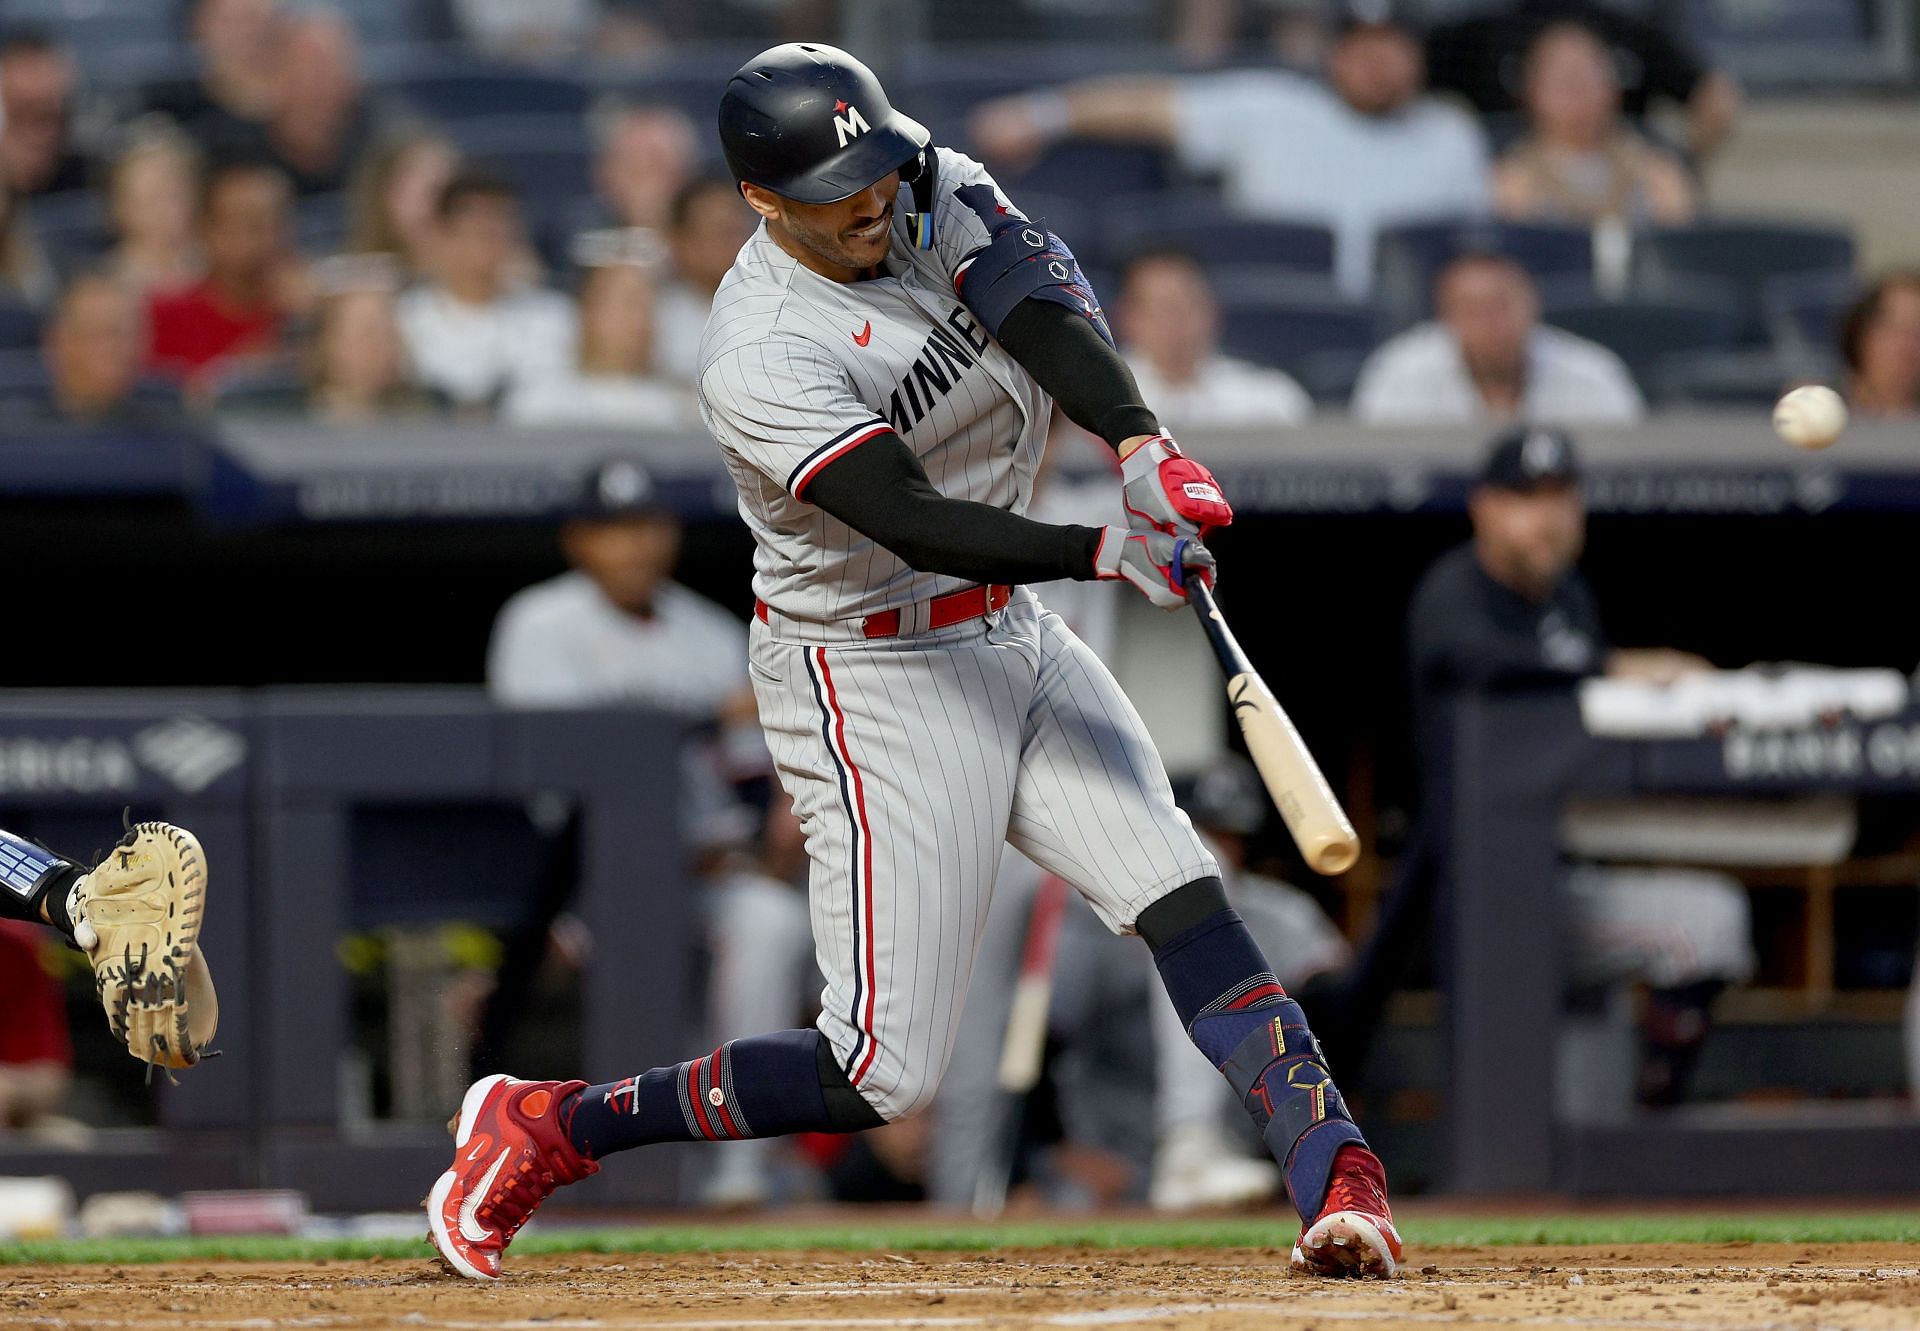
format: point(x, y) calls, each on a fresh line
point(1275, 1066)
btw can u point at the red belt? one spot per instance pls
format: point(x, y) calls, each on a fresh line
point(942, 611)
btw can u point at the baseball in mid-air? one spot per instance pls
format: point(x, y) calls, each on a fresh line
point(1810, 417)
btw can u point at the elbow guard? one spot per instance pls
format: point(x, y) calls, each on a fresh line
point(1021, 259)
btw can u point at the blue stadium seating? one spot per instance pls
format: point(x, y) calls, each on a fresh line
point(1747, 252)
point(1644, 331)
point(1216, 236)
point(1803, 313)
point(1751, 378)
point(19, 324)
point(1091, 171)
point(23, 375)
point(1290, 331)
point(1409, 256)
point(549, 157)
point(460, 94)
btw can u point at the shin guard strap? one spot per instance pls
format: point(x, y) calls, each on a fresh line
point(1281, 1077)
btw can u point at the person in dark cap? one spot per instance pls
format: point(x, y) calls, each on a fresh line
point(1508, 613)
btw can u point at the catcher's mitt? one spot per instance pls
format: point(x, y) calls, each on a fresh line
point(137, 916)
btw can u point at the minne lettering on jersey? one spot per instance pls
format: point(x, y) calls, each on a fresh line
point(943, 358)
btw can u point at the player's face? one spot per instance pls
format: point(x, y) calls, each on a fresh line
point(839, 240)
point(1530, 538)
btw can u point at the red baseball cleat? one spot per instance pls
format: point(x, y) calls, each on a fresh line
point(1353, 1235)
point(510, 1153)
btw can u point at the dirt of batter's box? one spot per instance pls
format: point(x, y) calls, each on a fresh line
point(1846, 1287)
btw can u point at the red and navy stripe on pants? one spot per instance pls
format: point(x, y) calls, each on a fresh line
point(853, 795)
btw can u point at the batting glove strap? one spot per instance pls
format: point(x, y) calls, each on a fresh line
point(1153, 561)
point(1167, 491)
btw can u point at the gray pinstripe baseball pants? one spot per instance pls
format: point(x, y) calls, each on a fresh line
point(910, 762)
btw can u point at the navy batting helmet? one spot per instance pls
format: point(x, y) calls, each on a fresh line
point(812, 123)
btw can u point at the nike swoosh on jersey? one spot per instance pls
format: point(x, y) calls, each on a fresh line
point(471, 1232)
point(865, 335)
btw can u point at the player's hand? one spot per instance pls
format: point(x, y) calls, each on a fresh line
point(1167, 491)
point(1007, 132)
point(1155, 562)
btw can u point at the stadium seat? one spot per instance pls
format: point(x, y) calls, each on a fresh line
point(1642, 332)
point(320, 223)
point(19, 324)
point(1718, 379)
point(1215, 235)
point(1803, 313)
point(459, 95)
point(1746, 253)
point(72, 225)
point(1091, 171)
point(23, 376)
point(1408, 257)
point(261, 390)
point(1288, 331)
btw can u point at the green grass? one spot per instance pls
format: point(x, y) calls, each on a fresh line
point(1425, 1230)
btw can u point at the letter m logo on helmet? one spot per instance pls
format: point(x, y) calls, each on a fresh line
point(851, 125)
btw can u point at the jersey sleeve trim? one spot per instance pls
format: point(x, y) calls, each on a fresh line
point(810, 466)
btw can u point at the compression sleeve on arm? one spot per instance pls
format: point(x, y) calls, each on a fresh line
point(880, 490)
point(1068, 358)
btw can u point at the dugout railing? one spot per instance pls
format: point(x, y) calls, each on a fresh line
point(276, 783)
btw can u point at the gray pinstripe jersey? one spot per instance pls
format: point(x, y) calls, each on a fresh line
point(796, 369)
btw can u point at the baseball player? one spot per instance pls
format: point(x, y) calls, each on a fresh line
point(879, 370)
point(137, 915)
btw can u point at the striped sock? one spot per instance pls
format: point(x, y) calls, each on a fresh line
point(764, 1086)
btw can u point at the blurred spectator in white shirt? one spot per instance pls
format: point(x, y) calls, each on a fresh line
point(1488, 358)
point(610, 385)
point(394, 199)
point(474, 333)
point(151, 189)
point(1168, 322)
point(1880, 343)
point(1581, 161)
point(706, 226)
point(36, 95)
point(1363, 151)
point(643, 156)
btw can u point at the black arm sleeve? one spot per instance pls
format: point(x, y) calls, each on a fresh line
point(880, 490)
point(1067, 357)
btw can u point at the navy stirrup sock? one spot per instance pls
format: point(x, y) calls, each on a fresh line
point(763, 1086)
point(1240, 1017)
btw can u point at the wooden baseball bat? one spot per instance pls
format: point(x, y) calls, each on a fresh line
point(1319, 825)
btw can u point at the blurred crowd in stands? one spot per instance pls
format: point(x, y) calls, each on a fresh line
point(1501, 216)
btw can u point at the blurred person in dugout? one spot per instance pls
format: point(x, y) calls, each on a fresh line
point(36, 1052)
point(254, 282)
point(1486, 356)
point(476, 329)
point(393, 201)
point(1581, 161)
point(616, 630)
point(1508, 613)
point(611, 384)
point(707, 224)
point(1880, 347)
point(1362, 151)
point(1168, 322)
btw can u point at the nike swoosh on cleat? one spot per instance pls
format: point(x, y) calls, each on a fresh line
point(865, 335)
point(470, 1231)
